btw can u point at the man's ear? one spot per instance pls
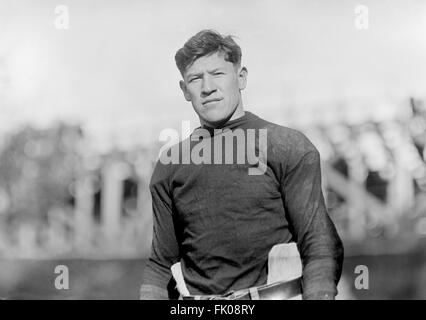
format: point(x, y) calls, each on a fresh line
point(184, 90)
point(242, 78)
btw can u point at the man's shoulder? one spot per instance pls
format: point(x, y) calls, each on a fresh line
point(166, 163)
point(290, 147)
point(288, 140)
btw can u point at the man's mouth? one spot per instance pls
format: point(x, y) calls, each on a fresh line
point(211, 101)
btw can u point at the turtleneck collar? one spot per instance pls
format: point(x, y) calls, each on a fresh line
point(232, 124)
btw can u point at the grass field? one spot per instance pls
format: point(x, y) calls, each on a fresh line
point(390, 277)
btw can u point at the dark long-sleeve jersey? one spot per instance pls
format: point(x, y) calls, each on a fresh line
point(221, 222)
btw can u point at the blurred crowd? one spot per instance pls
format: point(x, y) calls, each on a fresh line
point(58, 197)
point(375, 174)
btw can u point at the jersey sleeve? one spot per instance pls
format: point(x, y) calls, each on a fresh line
point(164, 248)
point(319, 244)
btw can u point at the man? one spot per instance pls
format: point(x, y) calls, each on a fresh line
point(219, 219)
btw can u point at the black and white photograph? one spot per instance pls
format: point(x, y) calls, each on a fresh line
point(212, 150)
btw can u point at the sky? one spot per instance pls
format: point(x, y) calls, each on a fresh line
point(113, 69)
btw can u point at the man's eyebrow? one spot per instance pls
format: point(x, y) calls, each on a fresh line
point(194, 75)
point(190, 75)
point(215, 70)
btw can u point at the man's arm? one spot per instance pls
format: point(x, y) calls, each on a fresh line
point(320, 247)
point(165, 249)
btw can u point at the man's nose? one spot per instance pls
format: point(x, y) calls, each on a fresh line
point(207, 87)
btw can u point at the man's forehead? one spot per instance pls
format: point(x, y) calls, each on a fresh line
point(208, 63)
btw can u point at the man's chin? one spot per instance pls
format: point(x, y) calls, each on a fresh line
point(217, 119)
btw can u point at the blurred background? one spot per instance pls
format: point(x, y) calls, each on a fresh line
point(82, 107)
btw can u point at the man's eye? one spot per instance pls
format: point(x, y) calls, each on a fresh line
point(218, 73)
point(193, 79)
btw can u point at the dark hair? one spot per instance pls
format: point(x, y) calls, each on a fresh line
point(204, 43)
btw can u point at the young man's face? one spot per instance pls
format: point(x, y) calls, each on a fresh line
point(213, 86)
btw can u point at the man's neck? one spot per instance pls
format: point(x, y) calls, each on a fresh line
point(238, 113)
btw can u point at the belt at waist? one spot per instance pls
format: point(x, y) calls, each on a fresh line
point(281, 290)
